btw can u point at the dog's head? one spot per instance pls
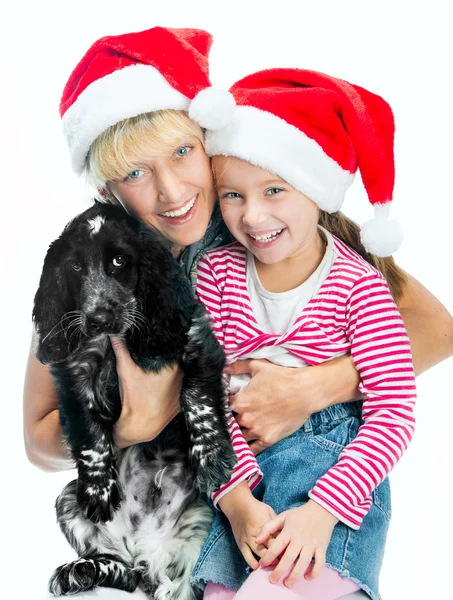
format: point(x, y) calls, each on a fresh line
point(105, 275)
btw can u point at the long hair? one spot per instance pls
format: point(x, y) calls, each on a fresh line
point(349, 232)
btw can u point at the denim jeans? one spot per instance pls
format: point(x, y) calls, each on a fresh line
point(291, 468)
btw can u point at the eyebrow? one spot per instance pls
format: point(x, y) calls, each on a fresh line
point(261, 183)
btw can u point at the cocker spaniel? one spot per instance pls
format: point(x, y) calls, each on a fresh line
point(134, 517)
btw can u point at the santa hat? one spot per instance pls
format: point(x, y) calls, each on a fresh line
point(315, 131)
point(126, 75)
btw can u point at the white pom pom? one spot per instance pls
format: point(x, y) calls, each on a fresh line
point(381, 236)
point(212, 108)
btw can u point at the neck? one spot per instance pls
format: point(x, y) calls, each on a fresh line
point(177, 251)
point(294, 270)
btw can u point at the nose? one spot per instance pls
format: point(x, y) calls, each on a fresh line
point(100, 320)
point(170, 185)
point(253, 214)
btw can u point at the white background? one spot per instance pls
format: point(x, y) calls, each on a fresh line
point(401, 50)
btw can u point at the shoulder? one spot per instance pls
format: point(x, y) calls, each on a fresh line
point(226, 255)
point(352, 268)
point(220, 264)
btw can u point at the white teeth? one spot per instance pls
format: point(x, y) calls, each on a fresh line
point(268, 237)
point(182, 211)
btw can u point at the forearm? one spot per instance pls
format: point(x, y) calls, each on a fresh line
point(340, 382)
point(43, 436)
point(428, 324)
point(430, 329)
point(45, 446)
point(431, 338)
point(246, 472)
point(332, 382)
point(236, 499)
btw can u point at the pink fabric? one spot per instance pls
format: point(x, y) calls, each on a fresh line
point(215, 591)
point(328, 586)
point(354, 312)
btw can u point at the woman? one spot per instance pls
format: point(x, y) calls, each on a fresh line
point(124, 110)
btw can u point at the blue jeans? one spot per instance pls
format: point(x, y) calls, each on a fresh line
point(291, 468)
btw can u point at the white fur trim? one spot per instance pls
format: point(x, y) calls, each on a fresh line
point(381, 236)
point(267, 141)
point(212, 108)
point(125, 93)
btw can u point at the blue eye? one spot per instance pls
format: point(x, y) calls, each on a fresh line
point(232, 195)
point(183, 150)
point(135, 174)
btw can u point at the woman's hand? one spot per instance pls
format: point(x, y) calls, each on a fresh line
point(247, 516)
point(149, 400)
point(302, 533)
point(278, 400)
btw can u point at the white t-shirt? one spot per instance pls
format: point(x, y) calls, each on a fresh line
point(275, 312)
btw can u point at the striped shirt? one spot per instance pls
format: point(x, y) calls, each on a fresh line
point(353, 311)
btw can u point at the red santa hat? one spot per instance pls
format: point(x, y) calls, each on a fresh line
point(126, 75)
point(315, 131)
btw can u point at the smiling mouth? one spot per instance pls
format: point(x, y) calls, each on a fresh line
point(181, 212)
point(266, 237)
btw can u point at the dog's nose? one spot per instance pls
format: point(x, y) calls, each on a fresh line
point(100, 320)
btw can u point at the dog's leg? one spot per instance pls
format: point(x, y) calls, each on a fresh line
point(88, 413)
point(87, 573)
point(97, 489)
point(204, 407)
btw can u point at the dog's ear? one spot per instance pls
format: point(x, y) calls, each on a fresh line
point(52, 301)
point(160, 296)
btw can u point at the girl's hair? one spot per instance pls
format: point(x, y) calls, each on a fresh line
point(120, 148)
point(349, 232)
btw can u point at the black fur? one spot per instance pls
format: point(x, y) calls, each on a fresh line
point(107, 274)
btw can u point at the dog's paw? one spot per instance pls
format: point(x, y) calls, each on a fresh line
point(98, 499)
point(71, 578)
point(213, 469)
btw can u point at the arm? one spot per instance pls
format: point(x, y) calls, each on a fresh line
point(430, 328)
point(428, 324)
point(141, 419)
point(380, 350)
point(246, 469)
point(43, 436)
point(278, 400)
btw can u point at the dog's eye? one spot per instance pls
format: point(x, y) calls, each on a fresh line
point(119, 261)
point(76, 265)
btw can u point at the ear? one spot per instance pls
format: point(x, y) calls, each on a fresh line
point(52, 302)
point(160, 296)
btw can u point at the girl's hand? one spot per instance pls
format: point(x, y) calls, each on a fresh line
point(247, 517)
point(278, 400)
point(149, 400)
point(303, 533)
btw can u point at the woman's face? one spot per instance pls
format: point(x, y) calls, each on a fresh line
point(173, 193)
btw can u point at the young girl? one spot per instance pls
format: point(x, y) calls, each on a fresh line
point(293, 293)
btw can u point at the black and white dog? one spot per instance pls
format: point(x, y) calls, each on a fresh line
point(135, 518)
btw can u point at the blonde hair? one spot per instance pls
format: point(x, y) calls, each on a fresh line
point(119, 149)
point(349, 232)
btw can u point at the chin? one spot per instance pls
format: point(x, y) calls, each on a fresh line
point(193, 234)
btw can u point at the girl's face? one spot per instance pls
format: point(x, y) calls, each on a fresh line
point(263, 212)
point(173, 193)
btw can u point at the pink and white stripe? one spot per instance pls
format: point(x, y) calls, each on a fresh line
point(354, 312)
